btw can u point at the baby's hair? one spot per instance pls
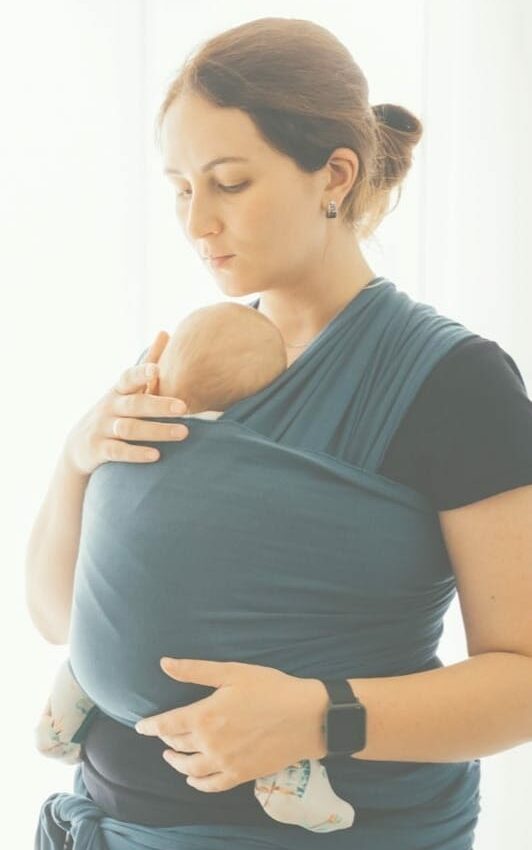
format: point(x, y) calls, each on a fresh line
point(236, 350)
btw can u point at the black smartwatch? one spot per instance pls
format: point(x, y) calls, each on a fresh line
point(345, 721)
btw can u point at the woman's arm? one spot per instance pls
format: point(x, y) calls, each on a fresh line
point(465, 711)
point(483, 705)
point(52, 552)
point(54, 540)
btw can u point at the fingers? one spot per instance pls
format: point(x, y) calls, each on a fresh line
point(135, 378)
point(153, 355)
point(156, 348)
point(129, 400)
point(152, 385)
point(197, 766)
point(115, 450)
point(134, 405)
point(135, 429)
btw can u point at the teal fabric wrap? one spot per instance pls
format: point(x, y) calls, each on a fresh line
point(268, 537)
point(447, 826)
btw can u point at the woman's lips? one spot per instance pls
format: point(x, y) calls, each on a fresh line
point(220, 261)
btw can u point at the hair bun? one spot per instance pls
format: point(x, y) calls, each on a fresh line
point(395, 117)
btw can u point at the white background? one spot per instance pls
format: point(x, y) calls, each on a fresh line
point(92, 262)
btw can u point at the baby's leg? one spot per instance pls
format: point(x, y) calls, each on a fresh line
point(301, 794)
point(65, 719)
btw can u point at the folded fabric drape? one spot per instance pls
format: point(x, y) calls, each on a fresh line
point(74, 822)
point(268, 537)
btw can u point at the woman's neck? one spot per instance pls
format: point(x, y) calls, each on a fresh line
point(302, 311)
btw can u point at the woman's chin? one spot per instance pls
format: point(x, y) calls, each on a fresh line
point(236, 287)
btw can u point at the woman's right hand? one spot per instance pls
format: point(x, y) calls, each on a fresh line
point(99, 436)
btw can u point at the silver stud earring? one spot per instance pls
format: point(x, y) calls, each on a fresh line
point(331, 212)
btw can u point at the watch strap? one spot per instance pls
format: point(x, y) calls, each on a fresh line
point(339, 691)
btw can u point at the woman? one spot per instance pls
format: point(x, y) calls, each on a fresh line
point(280, 163)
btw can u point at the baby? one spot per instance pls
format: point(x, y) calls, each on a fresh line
point(216, 356)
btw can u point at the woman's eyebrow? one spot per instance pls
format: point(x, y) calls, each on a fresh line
point(211, 164)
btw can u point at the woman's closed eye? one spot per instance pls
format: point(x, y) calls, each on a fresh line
point(236, 188)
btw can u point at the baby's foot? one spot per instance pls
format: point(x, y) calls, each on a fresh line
point(302, 795)
point(48, 741)
point(65, 719)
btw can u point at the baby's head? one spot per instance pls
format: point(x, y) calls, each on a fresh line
point(220, 354)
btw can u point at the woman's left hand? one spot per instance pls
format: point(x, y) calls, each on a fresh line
point(257, 722)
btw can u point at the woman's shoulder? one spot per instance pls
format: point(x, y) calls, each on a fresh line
point(468, 432)
point(473, 356)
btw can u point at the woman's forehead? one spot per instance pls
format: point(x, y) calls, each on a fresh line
point(197, 135)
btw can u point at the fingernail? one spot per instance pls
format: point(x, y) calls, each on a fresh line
point(178, 407)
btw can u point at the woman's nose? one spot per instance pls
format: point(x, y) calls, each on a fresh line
point(201, 219)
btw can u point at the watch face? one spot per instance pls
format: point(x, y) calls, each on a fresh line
point(346, 728)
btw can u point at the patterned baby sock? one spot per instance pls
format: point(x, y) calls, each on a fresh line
point(67, 713)
point(302, 795)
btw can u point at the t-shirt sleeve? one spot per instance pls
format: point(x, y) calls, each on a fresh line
point(468, 433)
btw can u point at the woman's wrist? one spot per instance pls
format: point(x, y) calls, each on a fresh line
point(67, 459)
point(316, 697)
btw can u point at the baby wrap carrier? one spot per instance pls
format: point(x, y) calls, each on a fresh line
point(267, 537)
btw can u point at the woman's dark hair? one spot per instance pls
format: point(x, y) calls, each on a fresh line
point(307, 96)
